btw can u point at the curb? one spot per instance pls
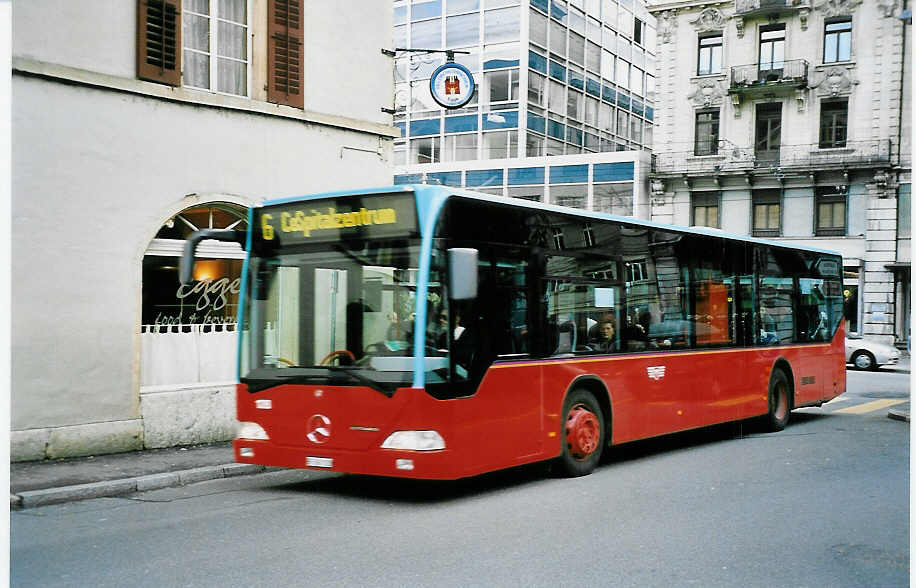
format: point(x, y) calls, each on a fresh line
point(33, 498)
point(899, 415)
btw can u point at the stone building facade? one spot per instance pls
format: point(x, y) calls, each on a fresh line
point(790, 120)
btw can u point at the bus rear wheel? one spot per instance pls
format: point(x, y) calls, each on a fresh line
point(779, 401)
point(583, 433)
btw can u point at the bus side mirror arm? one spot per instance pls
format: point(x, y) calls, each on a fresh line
point(462, 273)
point(186, 273)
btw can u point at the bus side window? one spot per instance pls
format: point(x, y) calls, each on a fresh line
point(813, 322)
point(775, 318)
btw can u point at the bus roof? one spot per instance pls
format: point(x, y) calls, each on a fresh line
point(520, 203)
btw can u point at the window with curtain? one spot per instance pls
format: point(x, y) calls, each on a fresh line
point(766, 213)
point(215, 50)
point(830, 212)
point(705, 209)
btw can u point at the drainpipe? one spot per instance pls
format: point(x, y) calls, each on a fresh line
point(902, 78)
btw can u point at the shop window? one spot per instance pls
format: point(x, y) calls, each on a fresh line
point(212, 299)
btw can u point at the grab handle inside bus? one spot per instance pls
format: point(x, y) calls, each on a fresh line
point(462, 273)
point(186, 272)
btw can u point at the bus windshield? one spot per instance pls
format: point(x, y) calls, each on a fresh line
point(340, 314)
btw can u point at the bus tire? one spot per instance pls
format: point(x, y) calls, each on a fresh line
point(583, 434)
point(779, 400)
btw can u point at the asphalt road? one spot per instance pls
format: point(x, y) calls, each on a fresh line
point(823, 503)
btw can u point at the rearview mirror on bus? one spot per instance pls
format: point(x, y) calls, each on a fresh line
point(462, 273)
point(186, 271)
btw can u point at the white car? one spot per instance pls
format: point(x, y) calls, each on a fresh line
point(864, 354)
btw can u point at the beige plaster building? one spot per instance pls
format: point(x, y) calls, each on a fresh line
point(133, 123)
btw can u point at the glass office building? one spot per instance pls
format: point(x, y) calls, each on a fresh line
point(563, 87)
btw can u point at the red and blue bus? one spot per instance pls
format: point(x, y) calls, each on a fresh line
point(428, 332)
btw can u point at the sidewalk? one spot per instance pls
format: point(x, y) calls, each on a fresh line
point(37, 483)
point(901, 412)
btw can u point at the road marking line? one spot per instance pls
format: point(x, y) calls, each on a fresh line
point(870, 406)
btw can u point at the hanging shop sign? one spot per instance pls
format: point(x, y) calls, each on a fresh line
point(452, 85)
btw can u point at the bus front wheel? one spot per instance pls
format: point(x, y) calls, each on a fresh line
point(583, 433)
point(779, 401)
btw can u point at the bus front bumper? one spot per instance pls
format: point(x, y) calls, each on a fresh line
point(427, 465)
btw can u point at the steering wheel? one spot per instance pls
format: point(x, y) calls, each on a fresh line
point(337, 353)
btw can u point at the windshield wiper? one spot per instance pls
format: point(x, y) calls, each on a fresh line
point(259, 384)
point(353, 373)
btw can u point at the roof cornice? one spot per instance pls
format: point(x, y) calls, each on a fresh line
point(688, 4)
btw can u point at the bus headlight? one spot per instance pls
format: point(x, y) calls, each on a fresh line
point(415, 441)
point(251, 431)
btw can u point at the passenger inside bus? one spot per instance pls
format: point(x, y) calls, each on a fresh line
point(768, 327)
point(438, 335)
point(602, 335)
point(635, 334)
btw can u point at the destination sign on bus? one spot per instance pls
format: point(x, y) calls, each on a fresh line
point(352, 217)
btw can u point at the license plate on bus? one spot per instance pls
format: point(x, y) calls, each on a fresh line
point(319, 462)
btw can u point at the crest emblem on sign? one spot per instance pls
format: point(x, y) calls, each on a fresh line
point(452, 85)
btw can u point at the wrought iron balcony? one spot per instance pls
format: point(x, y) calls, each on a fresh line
point(770, 77)
point(764, 7)
point(732, 159)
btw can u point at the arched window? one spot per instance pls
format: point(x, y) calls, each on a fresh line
point(213, 299)
point(214, 215)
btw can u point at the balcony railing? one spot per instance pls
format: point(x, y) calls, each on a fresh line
point(769, 75)
point(730, 158)
point(750, 7)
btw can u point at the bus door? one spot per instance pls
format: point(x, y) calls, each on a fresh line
point(721, 293)
point(506, 408)
point(812, 325)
